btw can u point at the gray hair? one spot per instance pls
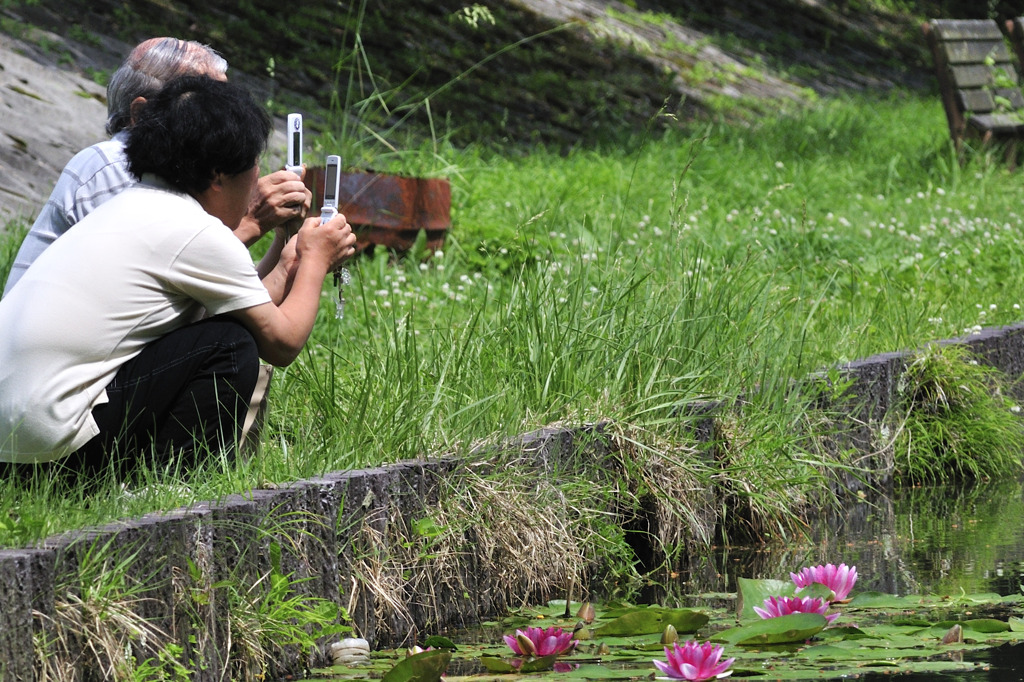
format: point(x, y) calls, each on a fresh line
point(151, 64)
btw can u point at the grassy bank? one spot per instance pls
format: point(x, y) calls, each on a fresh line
point(625, 284)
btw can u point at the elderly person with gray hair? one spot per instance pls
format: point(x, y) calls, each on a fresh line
point(99, 172)
point(103, 365)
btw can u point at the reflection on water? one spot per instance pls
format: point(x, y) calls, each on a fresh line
point(935, 540)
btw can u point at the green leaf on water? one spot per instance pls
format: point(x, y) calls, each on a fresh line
point(497, 665)
point(601, 672)
point(647, 621)
point(650, 646)
point(752, 593)
point(815, 590)
point(506, 665)
point(439, 642)
point(427, 666)
point(796, 627)
point(534, 665)
point(984, 625)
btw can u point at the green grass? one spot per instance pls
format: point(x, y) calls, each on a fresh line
point(959, 424)
point(628, 283)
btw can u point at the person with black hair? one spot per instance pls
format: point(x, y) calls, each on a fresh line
point(102, 361)
point(100, 171)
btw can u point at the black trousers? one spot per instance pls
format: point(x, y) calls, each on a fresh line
point(183, 397)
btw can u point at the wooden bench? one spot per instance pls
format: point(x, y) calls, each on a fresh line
point(978, 82)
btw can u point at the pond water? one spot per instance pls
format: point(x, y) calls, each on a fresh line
point(936, 540)
point(949, 544)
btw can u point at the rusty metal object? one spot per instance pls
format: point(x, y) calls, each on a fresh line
point(389, 210)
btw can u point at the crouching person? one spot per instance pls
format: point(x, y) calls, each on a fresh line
point(103, 364)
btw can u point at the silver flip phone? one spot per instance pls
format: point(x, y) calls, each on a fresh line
point(294, 162)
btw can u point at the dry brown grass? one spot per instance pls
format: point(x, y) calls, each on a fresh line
point(528, 529)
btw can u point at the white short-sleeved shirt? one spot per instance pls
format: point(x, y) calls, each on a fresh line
point(141, 265)
point(93, 176)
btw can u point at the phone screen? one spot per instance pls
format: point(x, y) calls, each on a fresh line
point(296, 159)
point(331, 184)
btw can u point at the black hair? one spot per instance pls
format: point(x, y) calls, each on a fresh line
point(194, 128)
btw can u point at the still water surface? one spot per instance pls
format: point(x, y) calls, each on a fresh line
point(940, 541)
point(937, 540)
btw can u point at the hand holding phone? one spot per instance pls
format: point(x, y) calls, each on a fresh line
point(294, 162)
point(332, 185)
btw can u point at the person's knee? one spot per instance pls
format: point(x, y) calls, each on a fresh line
point(234, 337)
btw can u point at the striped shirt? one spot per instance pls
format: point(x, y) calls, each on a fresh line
point(93, 176)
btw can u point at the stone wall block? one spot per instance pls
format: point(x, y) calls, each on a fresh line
point(189, 550)
point(864, 409)
point(26, 587)
point(362, 523)
point(1002, 348)
point(317, 546)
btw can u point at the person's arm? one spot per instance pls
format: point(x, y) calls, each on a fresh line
point(282, 330)
point(277, 267)
point(281, 201)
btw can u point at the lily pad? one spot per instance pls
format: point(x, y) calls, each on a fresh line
point(647, 621)
point(796, 627)
point(752, 593)
point(518, 665)
point(815, 590)
point(427, 666)
point(439, 642)
point(984, 625)
point(498, 665)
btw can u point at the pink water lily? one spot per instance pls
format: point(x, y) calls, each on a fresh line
point(839, 579)
point(783, 606)
point(540, 642)
point(694, 661)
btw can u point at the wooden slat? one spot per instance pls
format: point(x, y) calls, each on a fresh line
point(966, 29)
point(1014, 98)
point(1002, 124)
point(979, 101)
point(975, 52)
point(968, 76)
point(983, 100)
